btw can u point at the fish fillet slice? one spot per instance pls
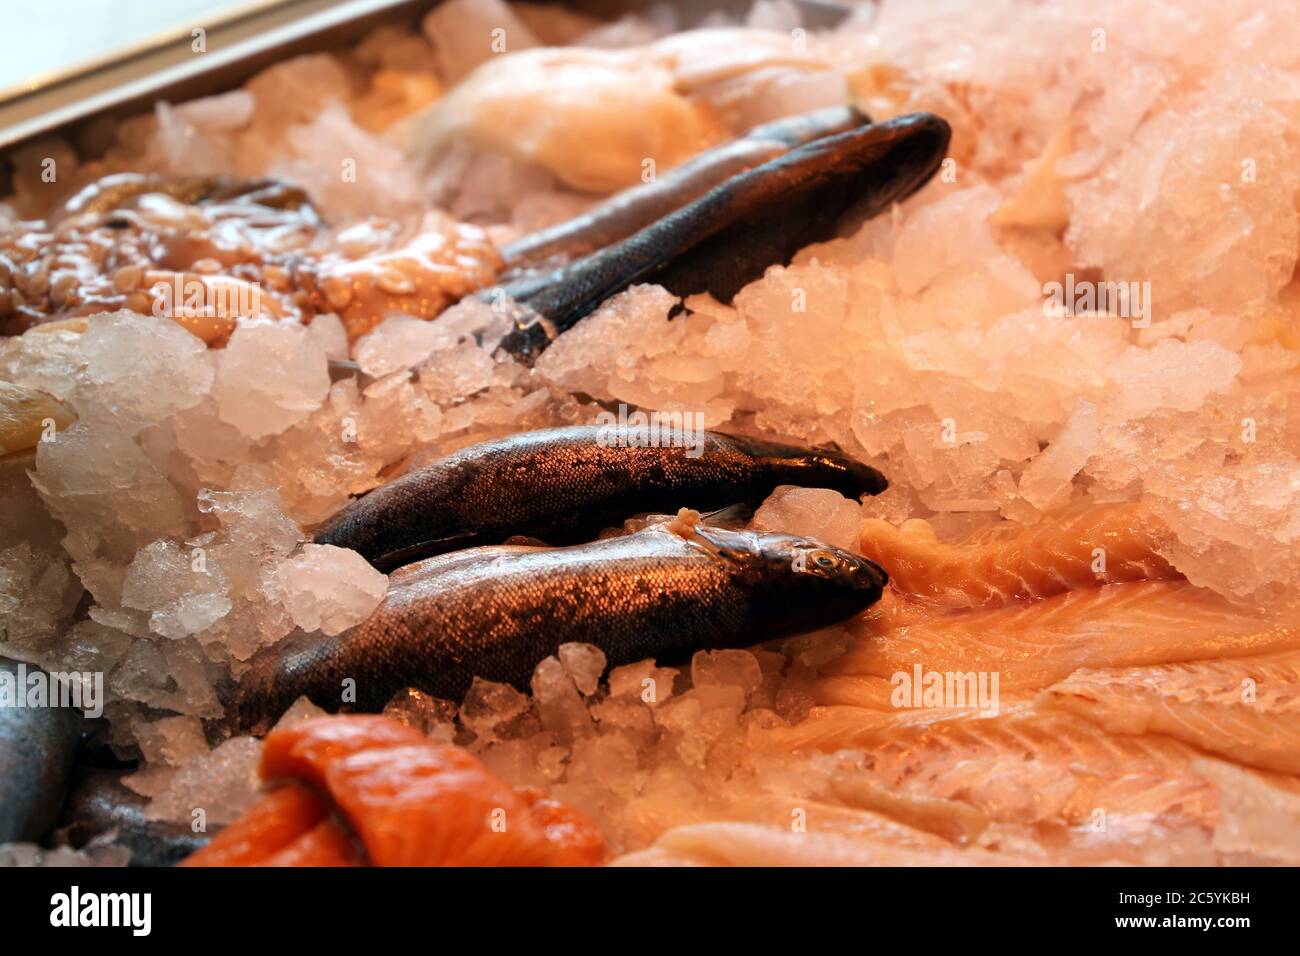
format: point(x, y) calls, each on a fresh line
point(1053, 785)
point(407, 800)
point(1104, 544)
point(1032, 646)
point(1024, 766)
point(273, 825)
point(756, 844)
point(326, 844)
point(1247, 709)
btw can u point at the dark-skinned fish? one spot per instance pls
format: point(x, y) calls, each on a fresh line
point(728, 237)
point(99, 803)
point(564, 485)
point(38, 745)
point(496, 612)
point(634, 208)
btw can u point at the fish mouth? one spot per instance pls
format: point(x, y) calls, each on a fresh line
point(869, 575)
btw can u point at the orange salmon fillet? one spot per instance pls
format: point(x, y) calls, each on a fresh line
point(574, 841)
point(326, 844)
point(406, 800)
point(273, 823)
point(1104, 544)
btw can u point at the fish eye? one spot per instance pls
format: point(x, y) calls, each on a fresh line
point(825, 560)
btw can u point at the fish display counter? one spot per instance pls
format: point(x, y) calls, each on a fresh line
point(766, 433)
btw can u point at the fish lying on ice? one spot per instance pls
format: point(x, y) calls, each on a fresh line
point(564, 485)
point(1100, 544)
point(367, 790)
point(731, 235)
point(636, 207)
point(99, 803)
point(495, 613)
point(1246, 709)
point(38, 745)
point(275, 259)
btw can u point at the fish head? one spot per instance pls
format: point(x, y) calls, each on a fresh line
point(796, 582)
point(843, 583)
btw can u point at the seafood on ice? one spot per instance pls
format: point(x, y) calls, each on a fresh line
point(404, 800)
point(768, 443)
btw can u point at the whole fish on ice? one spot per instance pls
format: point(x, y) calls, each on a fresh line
point(564, 485)
point(496, 612)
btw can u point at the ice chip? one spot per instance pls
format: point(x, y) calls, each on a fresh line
point(139, 370)
point(1047, 479)
point(217, 786)
point(813, 512)
point(330, 589)
point(181, 600)
point(400, 341)
point(489, 704)
point(1171, 374)
point(585, 663)
point(270, 377)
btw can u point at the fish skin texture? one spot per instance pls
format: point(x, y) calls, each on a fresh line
point(1245, 709)
point(100, 802)
point(564, 485)
point(1054, 557)
point(38, 746)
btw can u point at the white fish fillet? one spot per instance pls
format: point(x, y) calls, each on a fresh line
point(1032, 646)
point(1247, 709)
point(756, 844)
point(1085, 548)
point(1055, 784)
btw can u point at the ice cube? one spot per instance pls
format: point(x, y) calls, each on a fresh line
point(270, 376)
point(400, 341)
point(330, 589)
point(140, 369)
point(817, 513)
point(585, 663)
